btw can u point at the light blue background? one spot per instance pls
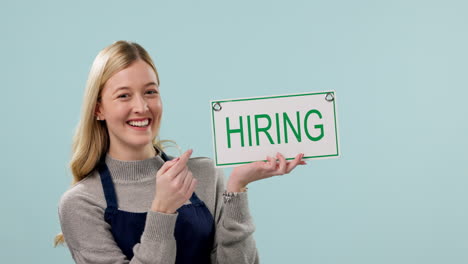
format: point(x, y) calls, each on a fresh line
point(397, 194)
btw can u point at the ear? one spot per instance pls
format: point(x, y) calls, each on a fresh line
point(98, 112)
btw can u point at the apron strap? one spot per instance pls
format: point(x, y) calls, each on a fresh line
point(195, 200)
point(165, 157)
point(108, 186)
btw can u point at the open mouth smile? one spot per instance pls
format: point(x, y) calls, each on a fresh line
point(139, 123)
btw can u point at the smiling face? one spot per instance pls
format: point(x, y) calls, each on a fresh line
point(131, 107)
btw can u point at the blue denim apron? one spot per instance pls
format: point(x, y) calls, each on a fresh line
point(194, 229)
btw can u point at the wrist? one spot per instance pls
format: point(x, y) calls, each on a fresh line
point(156, 206)
point(234, 186)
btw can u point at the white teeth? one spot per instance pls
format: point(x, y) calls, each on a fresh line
point(139, 123)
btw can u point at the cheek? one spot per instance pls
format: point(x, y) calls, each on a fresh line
point(157, 113)
point(157, 108)
point(117, 113)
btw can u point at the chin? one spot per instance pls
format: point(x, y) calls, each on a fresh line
point(142, 143)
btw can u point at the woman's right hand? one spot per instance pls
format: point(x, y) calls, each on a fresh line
point(174, 185)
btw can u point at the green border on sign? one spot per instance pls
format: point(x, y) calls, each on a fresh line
point(272, 97)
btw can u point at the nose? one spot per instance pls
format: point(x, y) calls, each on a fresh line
point(140, 105)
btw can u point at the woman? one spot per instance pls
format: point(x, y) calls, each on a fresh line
point(130, 203)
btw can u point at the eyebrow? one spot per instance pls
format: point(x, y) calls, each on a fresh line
point(128, 88)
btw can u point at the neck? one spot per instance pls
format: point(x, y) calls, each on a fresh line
point(129, 153)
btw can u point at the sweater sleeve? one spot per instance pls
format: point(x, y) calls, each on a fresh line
point(89, 239)
point(234, 241)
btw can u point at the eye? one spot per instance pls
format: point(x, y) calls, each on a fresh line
point(123, 96)
point(152, 92)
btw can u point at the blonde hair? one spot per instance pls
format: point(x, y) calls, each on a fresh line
point(91, 139)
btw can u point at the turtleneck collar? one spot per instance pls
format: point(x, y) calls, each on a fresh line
point(135, 170)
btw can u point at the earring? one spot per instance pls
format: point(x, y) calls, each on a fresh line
point(97, 118)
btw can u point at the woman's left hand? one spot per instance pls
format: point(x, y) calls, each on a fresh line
point(245, 174)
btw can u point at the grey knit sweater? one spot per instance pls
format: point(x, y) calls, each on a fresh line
point(88, 236)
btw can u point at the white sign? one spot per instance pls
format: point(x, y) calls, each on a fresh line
point(250, 129)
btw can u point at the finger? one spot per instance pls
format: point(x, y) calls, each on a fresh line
point(167, 165)
point(282, 167)
point(292, 164)
point(180, 164)
point(271, 164)
point(179, 179)
point(187, 181)
point(193, 185)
